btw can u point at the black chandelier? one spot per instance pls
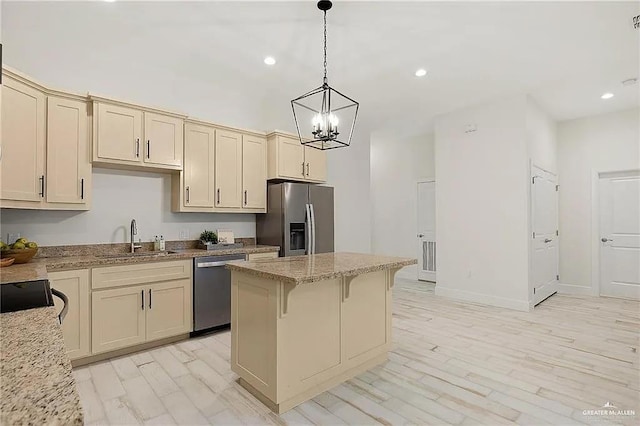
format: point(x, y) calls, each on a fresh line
point(322, 113)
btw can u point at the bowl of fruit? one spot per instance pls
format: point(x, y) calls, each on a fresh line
point(21, 251)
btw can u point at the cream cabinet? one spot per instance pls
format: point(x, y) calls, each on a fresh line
point(199, 145)
point(129, 136)
point(117, 134)
point(68, 162)
point(75, 327)
point(134, 304)
point(254, 172)
point(224, 171)
point(23, 142)
point(117, 318)
point(163, 139)
point(228, 166)
point(289, 159)
point(168, 309)
point(45, 147)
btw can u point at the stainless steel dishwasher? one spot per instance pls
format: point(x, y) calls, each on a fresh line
point(212, 291)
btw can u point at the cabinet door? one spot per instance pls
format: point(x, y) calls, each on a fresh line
point(163, 139)
point(68, 167)
point(168, 309)
point(117, 318)
point(119, 133)
point(75, 326)
point(316, 164)
point(254, 172)
point(228, 163)
point(199, 145)
point(23, 142)
point(290, 158)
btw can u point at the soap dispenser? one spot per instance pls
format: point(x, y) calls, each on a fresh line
point(162, 247)
point(156, 244)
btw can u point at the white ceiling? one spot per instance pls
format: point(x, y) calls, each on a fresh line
point(565, 54)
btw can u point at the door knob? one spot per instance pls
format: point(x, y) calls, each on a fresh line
point(547, 240)
point(420, 235)
point(604, 240)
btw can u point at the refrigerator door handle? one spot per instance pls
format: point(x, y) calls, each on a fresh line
point(307, 234)
point(313, 229)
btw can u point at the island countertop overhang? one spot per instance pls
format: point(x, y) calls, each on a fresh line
point(319, 267)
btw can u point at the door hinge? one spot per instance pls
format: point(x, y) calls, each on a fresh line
point(557, 187)
point(558, 277)
point(534, 235)
point(557, 233)
point(533, 180)
point(534, 290)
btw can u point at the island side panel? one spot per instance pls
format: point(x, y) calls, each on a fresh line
point(309, 338)
point(254, 312)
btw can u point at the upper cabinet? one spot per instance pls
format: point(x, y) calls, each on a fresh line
point(228, 169)
point(130, 136)
point(224, 171)
point(289, 159)
point(45, 147)
point(254, 172)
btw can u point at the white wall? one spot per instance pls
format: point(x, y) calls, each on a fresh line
point(119, 196)
point(348, 172)
point(607, 142)
point(397, 164)
point(541, 137)
point(481, 204)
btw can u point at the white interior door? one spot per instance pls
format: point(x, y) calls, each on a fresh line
point(544, 224)
point(427, 231)
point(620, 236)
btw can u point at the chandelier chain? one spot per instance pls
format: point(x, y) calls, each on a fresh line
point(325, 47)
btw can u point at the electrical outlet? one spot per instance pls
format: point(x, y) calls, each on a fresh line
point(11, 238)
point(184, 234)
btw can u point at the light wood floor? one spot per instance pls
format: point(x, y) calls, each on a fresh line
point(452, 363)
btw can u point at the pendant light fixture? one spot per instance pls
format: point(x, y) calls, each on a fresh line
point(324, 117)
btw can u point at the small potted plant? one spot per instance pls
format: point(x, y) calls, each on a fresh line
point(208, 238)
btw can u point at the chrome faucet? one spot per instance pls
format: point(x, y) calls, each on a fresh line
point(134, 232)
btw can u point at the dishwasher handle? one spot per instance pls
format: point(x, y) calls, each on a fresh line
point(213, 264)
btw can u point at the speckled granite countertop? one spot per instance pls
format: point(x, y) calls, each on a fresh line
point(36, 384)
point(318, 267)
point(38, 267)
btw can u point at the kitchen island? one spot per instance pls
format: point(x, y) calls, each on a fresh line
point(302, 325)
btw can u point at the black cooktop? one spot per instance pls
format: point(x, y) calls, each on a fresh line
point(25, 295)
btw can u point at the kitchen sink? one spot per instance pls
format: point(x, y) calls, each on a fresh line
point(136, 254)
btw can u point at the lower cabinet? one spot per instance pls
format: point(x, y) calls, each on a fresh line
point(75, 327)
point(129, 316)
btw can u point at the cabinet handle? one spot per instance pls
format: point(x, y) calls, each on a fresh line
point(149, 298)
point(41, 186)
point(303, 168)
point(307, 169)
point(148, 147)
point(142, 294)
point(82, 189)
point(187, 194)
point(218, 192)
point(245, 197)
point(138, 148)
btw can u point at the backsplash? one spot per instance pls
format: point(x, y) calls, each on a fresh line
point(116, 248)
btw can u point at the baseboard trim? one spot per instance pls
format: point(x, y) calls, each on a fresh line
point(484, 299)
point(575, 289)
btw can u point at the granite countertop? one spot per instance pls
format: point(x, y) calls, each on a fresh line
point(36, 383)
point(37, 268)
point(318, 267)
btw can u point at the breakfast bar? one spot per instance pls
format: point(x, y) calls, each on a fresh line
point(302, 325)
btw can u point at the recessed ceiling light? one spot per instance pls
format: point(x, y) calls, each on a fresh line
point(110, 1)
point(270, 60)
point(607, 96)
point(421, 72)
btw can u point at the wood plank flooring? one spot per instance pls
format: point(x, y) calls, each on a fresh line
point(452, 363)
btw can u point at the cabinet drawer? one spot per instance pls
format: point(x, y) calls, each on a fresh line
point(256, 256)
point(140, 273)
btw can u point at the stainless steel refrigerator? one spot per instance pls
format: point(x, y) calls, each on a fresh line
point(299, 219)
